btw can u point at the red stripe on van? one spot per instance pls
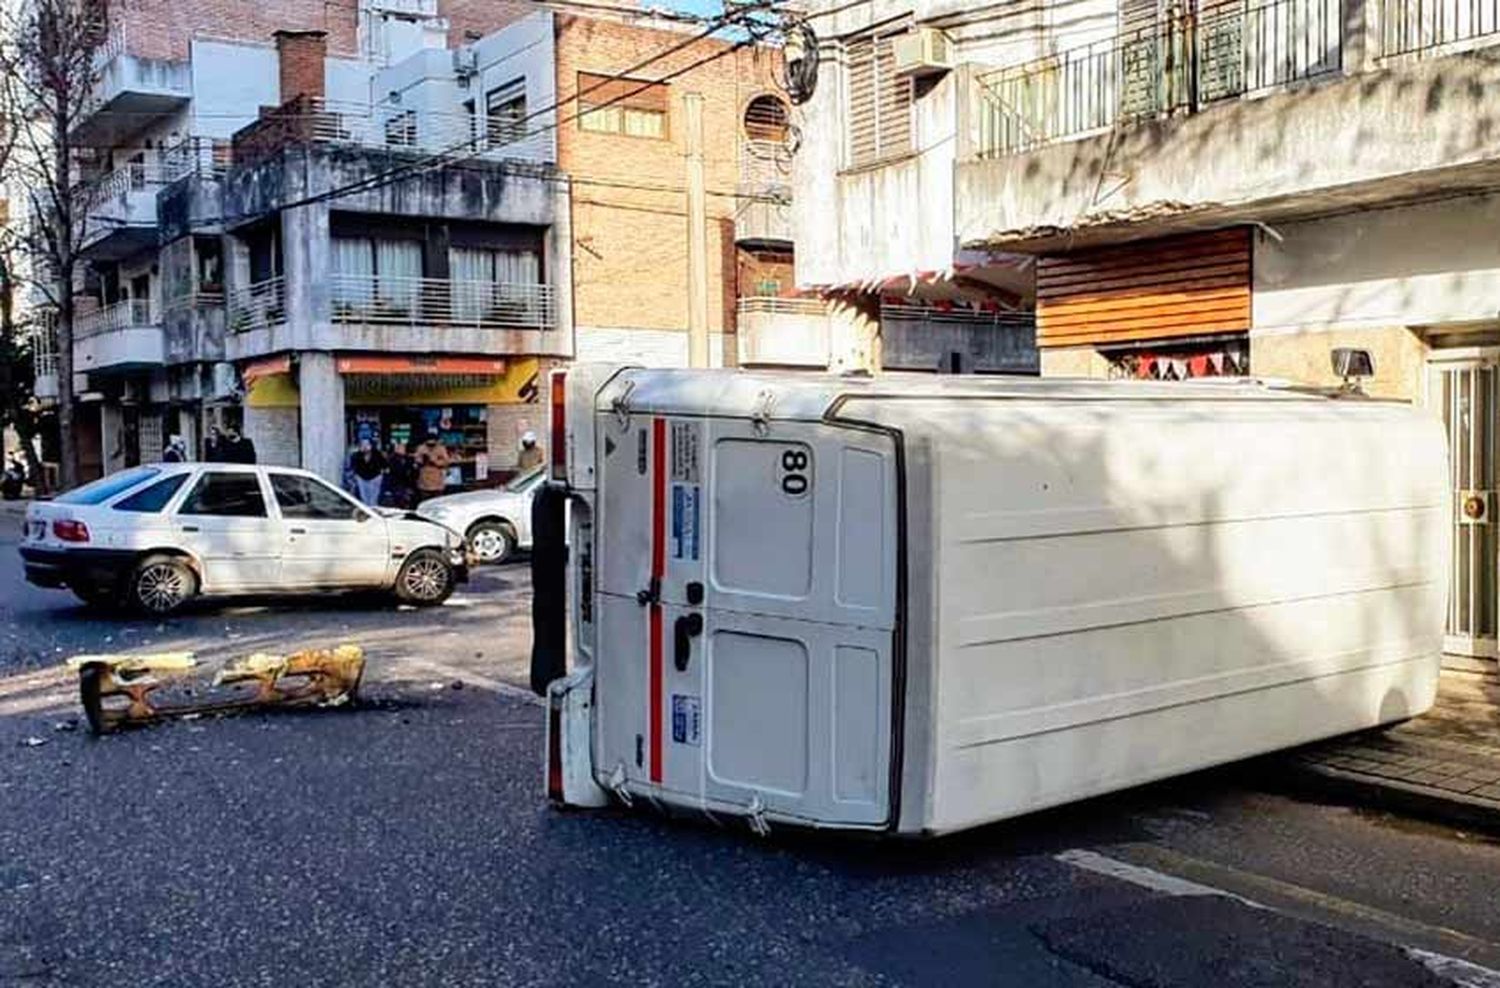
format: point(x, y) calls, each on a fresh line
point(658, 569)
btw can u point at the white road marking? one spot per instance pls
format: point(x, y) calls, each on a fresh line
point(473, 678)
point(1463, 974)
point(1148, 878)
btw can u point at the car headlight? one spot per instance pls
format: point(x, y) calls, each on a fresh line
point(437, 511)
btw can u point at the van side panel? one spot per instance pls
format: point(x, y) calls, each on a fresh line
point(1130, 590)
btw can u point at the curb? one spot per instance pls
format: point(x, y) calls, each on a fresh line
point(1429, 803)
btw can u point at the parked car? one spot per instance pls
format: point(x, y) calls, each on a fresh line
point(497, 522)
point(157, 536)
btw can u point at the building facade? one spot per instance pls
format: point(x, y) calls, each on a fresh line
point(324, 223)
point(1192, 189)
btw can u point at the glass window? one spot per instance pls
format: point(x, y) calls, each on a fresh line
point(307, 499)
point(505, 113)
point(105, 488)
point(152, 499)
point(525, 481)
point(227, 495)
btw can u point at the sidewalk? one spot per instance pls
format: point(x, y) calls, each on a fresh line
point(1444, 765)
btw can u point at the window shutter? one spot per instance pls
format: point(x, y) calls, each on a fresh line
point(879, 110)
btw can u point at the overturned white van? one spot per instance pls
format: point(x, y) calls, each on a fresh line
point(919, 604)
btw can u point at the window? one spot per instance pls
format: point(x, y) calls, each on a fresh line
point(307, 499)
point(152, 499)
point(496, 284)
point(766, 120)
point(505, 114)
point(372, 274)
point(879, 103)
point(633, 107)
point(226, 495)
point(401, 130)
point(525, 482)
point(105, 488)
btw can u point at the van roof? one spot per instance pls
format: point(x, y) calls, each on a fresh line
point(800, 395)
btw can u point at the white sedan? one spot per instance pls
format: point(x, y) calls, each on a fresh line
point(157, 536)
point(495, 522)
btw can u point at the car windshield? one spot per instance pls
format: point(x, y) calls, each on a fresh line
point(105, 488)
point(517, 484)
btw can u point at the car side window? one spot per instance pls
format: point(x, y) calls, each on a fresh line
point(152, 499)
point(228, 495)
point(306, 499)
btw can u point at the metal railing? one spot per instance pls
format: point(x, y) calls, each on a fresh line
point(257, 306)
point(132, 313)
point(1182, 63)
point(191, 156)
point(770, 305)
point(1435, 27)
point(429, 302)
point(197, 298)
point(44, 346)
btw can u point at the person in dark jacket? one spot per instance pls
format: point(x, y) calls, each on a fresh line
point(237, 448)
point(369, 472)
point(400, 477)
point(213, 446)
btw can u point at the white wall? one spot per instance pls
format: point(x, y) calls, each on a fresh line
point(347, 80)
point(231, 82)
point(1407, 266)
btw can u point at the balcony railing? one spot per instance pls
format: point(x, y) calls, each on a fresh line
point(784, 332)
point(429, 302)
point(44, 346)
point(316, 121)
point(129, 314)
point(197, 298)
point(1428, 27)
point(1180, 64)
point(257, 306)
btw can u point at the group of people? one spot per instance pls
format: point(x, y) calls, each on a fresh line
point(394, 476)
point(226, 446)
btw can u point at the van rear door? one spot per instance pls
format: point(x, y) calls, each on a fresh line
point(747, 588)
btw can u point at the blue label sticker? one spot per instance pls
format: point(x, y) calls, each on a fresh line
point(685, 521)
point(687, 720)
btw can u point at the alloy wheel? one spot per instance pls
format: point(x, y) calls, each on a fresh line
point(161, 587)
point(426, 578)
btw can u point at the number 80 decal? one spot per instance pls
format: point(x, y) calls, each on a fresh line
point(794, 471)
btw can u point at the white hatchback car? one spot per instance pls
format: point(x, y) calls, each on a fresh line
point(157, 536)
point(495, 522)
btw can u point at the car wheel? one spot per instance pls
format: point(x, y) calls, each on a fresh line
point(160, 585)
point(492, 541)
point(426, 579)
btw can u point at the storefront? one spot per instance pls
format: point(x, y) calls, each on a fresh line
point(479, 407)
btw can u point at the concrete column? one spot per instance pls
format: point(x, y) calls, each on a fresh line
point(322, 390)
point(306, 259)
point(558, 261)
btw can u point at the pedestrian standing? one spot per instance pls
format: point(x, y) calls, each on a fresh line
point(433, 459)
point(237, 448)
point(176, 451)
point(400, 477)
point(369, 473)
point(531, 454)
point(213, 446)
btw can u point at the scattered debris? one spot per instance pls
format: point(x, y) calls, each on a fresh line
point(119, 690)
point(71, 724)
point(33, 742)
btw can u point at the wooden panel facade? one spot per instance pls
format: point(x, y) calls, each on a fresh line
point(1158, 289)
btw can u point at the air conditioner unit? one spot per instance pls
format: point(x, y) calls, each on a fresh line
point(465, 62)
point(922, 51)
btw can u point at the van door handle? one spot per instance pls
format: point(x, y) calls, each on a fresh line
point(686, 628)
point(299, 531)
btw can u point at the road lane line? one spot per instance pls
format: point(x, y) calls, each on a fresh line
point(1412, 936)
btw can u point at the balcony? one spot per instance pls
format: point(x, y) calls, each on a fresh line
point(308, 120)
point(957, 339)
point(44, 360)
point(131, 91)
point(121, 211)
point(783, 332)
point(1259, 112)
point(400, 315)
point(122, 336)
point(193, 326)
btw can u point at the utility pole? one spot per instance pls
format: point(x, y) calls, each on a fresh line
point(697, 210)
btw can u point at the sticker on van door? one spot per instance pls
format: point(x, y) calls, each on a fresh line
point(687, 720)
point(686, 455)
point(794, 471)
point(686, 520)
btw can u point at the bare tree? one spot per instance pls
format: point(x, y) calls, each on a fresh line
point(49, 73)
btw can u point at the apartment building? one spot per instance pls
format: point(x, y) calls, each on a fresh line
point(1192, 189)
point(391, 222)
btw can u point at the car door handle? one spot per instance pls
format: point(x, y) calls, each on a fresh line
point(686, 628)
point(190, 528)
point(299, 531)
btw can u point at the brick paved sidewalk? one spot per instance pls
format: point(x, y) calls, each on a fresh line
point(1445, 764)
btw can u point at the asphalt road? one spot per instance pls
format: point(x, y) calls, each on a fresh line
point(406, 842)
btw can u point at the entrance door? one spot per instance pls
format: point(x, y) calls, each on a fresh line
point(747, 595)
point(1462, 391)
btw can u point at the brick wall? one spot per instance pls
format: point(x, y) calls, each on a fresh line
point(630, 243)
point(164, 28)
point(757, 269)
point(300, 55)
point(468, 19)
